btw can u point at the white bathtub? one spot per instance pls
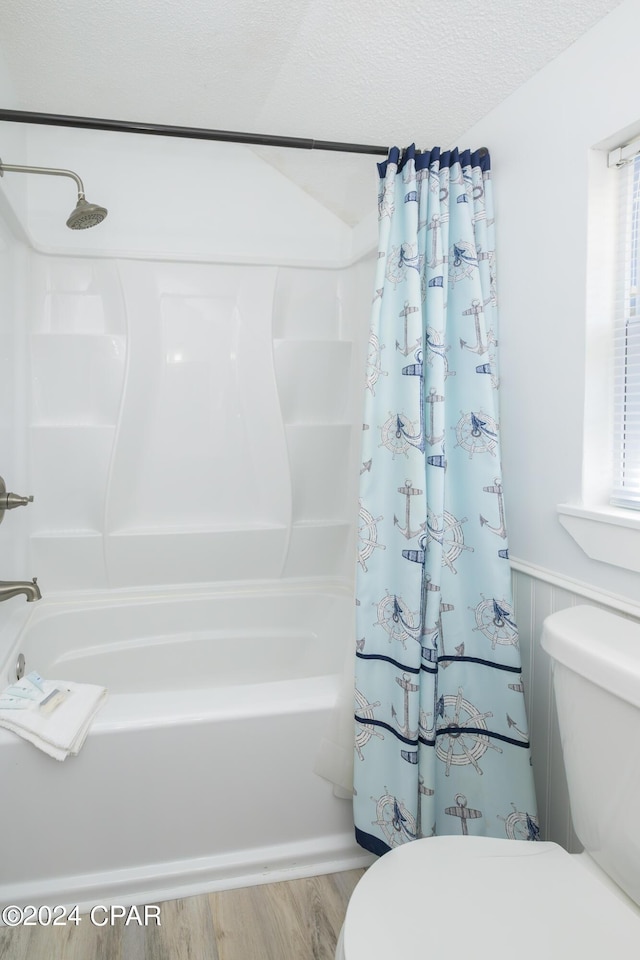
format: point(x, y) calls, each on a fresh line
point(197, 773)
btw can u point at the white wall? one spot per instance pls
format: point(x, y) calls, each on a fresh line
point(553, 286)
point(541, 140)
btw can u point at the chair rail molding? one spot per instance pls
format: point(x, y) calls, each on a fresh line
point(612, 601)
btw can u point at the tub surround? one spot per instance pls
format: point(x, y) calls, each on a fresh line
point(201, 419)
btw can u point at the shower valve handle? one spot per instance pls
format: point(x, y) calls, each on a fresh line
point(8, 501)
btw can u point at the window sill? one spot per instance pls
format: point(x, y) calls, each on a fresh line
point(609, 534)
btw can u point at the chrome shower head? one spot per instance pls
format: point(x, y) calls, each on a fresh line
point(85, 215)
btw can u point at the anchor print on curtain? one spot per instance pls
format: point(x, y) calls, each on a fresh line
point(441, 732)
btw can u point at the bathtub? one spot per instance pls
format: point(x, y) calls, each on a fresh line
point(197, 773)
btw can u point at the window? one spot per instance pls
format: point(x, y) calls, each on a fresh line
point(605, 521)
point(626, 454)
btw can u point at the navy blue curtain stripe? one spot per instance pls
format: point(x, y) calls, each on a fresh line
point(446, 660)
point(455, 731)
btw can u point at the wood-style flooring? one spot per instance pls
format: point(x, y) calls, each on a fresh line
point(291, 920)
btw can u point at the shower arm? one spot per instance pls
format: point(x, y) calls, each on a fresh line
point(84, 214)
point(52, 171)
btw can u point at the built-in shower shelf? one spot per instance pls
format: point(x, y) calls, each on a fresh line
point(195, 556)
point(313, 380)
point(321, 548)
point(320, 456)
point(196, 529)
point(42, 424)
point(77, 377)
point(79, 335)
point(68, 560)
point(307, 305)
point(321, 524)
point(66, 534)
point(70, 463)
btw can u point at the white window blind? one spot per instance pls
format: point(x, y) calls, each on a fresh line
point(626, 476)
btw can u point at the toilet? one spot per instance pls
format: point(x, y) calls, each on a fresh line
point(501, 899)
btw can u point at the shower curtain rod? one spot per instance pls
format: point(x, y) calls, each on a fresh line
point(193, 133)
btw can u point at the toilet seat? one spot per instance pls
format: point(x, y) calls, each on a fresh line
point(485, 898)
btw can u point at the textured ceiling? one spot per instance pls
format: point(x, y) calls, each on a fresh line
point(353, 70)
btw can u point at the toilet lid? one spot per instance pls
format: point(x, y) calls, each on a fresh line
point(478, 897)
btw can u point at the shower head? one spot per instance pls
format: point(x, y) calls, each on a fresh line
point(85, 214)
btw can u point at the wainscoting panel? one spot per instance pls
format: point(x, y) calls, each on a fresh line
point(538, 593)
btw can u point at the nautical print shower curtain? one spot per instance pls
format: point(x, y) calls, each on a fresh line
point(441, 732)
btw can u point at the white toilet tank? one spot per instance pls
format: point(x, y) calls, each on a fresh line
point(596, 676)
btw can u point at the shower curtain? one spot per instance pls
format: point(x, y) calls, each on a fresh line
point(442, 745)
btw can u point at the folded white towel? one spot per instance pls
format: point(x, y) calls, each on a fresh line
point(62, 731)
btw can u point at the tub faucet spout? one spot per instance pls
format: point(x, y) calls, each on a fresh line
point(12, 588)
